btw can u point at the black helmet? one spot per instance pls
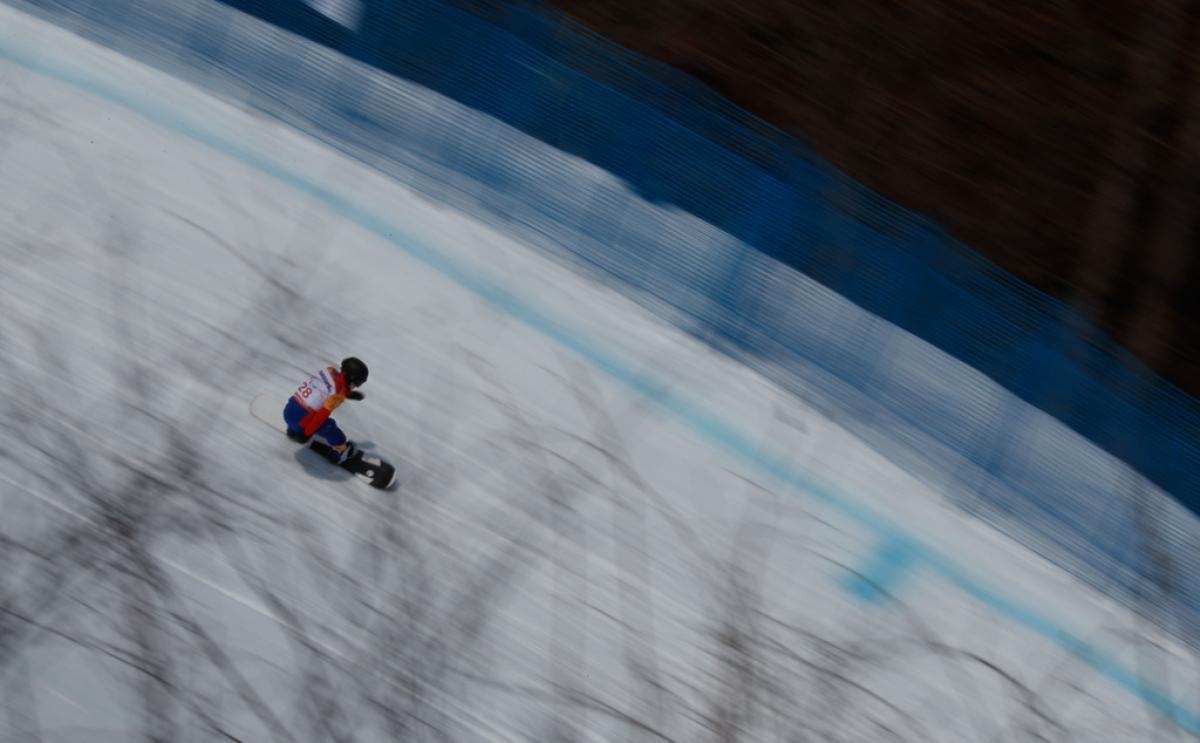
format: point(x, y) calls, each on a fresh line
point(354, 371)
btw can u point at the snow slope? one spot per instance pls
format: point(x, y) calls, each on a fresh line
point(603, 530)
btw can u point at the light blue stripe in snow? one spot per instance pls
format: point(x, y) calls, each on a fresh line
point(892, 538)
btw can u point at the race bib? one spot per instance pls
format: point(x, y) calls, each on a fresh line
point(316, 390)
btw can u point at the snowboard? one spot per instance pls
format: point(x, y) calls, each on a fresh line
point(372, 470)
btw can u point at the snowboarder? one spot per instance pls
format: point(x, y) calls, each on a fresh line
point(308, 411)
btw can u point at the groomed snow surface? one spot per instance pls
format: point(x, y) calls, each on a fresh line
point(602, 530)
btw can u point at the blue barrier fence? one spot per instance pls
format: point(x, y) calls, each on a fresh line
point(675, 142)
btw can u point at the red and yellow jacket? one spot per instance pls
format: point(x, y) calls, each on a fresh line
point(320, 395)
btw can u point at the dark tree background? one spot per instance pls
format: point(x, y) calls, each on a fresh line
point(1061, 139)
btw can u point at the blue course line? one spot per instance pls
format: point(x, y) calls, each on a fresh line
point(911, 551)
point(890, 562)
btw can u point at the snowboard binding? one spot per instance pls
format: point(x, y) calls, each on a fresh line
point(375, 472)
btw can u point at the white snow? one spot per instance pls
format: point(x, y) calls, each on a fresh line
point(603, 529)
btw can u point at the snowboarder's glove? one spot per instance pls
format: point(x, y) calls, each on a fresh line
point(354, 395)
